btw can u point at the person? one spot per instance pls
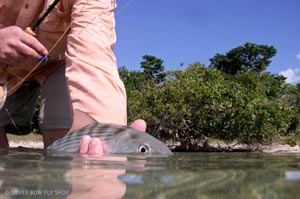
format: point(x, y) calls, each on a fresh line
point(79, 82)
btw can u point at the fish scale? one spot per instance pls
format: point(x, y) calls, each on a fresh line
point(91, 130)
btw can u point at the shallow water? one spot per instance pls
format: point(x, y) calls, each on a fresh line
point(31, 174)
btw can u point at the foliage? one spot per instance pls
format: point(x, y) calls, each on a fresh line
point(134, 80)
point(153, 69)
point(201, 102)
point(250, 57)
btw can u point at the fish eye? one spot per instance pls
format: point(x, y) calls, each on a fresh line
point(143, 149)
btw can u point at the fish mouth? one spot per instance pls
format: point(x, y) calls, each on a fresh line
point(160, 150)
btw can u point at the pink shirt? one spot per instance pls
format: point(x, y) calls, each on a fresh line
point(87, 48)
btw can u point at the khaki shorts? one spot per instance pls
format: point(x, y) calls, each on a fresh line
point(55, 111)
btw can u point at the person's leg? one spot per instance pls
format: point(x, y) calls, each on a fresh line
point(55, 111)
point(51, 135)
point(18, 109)
point(3, 139)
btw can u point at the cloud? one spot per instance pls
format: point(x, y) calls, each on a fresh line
point(292, 75)
point(298, 55)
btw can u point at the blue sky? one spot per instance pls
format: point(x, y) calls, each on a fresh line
point(186, 31)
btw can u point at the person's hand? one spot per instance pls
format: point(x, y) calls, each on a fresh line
point(16, 46)
point(93, 146)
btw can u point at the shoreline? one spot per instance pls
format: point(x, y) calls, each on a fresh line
point(236, 147)
point(273, 148)
point(27, 144)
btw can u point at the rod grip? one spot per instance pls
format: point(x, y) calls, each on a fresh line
point(29, 31)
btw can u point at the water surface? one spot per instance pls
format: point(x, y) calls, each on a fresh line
point(31, 174)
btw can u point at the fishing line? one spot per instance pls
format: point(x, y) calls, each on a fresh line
point(124, 7)
point(99, 17)
point(13, 122)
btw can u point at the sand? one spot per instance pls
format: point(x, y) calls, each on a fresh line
point(27, 144)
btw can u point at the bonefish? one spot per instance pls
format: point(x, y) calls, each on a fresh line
point(116, 139)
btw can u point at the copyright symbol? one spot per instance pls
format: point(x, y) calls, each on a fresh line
point(7, 192)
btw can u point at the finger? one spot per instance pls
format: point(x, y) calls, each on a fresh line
point(95, 147)
point(84, 144)
point(139, 125)
point(27, 50)
point(33, 43)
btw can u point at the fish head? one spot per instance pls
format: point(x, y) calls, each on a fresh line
point(132, 141)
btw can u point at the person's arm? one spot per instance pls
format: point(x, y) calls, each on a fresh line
point(96, 91)
point(92, 76)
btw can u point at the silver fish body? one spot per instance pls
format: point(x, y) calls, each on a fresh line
point(116, 139)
